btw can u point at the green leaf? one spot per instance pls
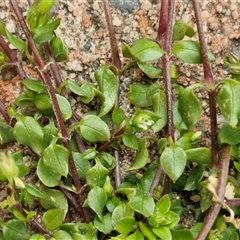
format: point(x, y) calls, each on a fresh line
point(201, 155)
point(125, 225)
point(37, 237)
point(173, 161)
point(118, 116)
point(65, 107)
point(160, 108)
point(182, 234)
point(189, 52)
point(229, 134)
point(118, 213)
point(46, 28)
point(142, 204)
point(41, 7)
point(46, 175)
point(60, 234)
point(38, 39)
point(96, 176)
point(97, 199)
point(34, 85)
point(136, 235)
point(194, 177)
point(130, 140)
point(229, 101)
point(189, 31)
point(141, 158)
point(107, 160)
point(42, 101)
point(146, 50)
point(152, 72)
point(189, 106)
point(16, 42)
point(162, 206)
point(179, 30)
point(230, 233)
point(82, 165)
point(138, 95)
point(94, 129)
point(15, 229)
point(58, 49)
point(146, 231)
point(104, 226)
point(53, 218)
point(6, 133)
point(206, 196)
point(108, 86)
point(27, 131)
point(54, 199)
point(163, 232)
point(55, 157)
point(143, 119)
point(196, 228)
point(34, 191)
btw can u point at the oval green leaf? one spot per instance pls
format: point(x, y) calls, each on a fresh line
point(94, 129)
point(27, 131)
point(97, 199)
point(55, 157)
point(189, 52)
point(173, 160)
point(142, 204)
point(53, 218)
point(146, 50)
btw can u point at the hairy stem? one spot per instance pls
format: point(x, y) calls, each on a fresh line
point(163, 20)
point(113, 42)
point(210, 83)
point(4, 113)
point(216, 207)
point(51, 90)
point(12, 57)
point(169, 5)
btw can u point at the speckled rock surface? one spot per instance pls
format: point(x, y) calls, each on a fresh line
point(126, 6)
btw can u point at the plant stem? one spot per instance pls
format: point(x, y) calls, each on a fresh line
point(113, 42)
point(168, 25)
point(233, 202)
point(12, 57)
point(45, 76)
point(222, 180)
point(210, 83)
point(163, 20)
point(53, 66)
point(51, 90)
point(4, 113)
point(156, 180)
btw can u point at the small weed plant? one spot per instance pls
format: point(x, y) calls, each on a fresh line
point(75, 160)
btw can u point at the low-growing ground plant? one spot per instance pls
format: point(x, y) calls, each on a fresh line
point(75, 159)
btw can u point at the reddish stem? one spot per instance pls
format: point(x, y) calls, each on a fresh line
point(210, 83)
point(216, 207)
point(113, 42)
point(166, 5)
point(163, 20)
